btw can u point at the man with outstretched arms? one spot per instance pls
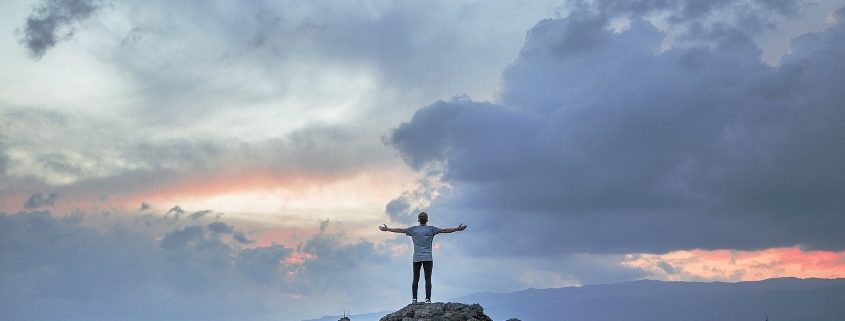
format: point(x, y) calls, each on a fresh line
point(423, 236)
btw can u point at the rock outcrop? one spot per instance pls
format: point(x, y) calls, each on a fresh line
point(438, 312)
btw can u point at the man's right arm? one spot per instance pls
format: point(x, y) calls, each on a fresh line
point(394, 230)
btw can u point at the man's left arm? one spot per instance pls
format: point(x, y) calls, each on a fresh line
point(460, 227)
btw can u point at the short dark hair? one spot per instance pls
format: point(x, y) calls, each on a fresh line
point(423, 217)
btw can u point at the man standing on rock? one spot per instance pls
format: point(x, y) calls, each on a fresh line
point(423, 236)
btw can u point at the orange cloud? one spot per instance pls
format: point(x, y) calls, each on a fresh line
point(727, 265)
point(304, 190)
point(251, 193)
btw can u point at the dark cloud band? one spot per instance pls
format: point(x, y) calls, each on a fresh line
point(613, 144)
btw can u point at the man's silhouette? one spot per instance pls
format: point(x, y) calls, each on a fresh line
point(423, 236)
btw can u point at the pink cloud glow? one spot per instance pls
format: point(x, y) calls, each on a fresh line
point(727, 265)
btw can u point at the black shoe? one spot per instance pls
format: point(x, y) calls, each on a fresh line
point(427, 300)
point(414, 300)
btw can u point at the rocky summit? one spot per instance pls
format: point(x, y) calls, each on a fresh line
point(438, 312)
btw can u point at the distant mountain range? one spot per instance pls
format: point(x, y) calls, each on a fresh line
point(781, 299)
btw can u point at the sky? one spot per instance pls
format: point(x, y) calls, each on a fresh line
point(232, 160)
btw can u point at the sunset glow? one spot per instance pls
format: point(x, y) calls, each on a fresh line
point(734, 266)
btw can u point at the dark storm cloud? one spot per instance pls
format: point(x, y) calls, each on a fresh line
point(37, 200)
point(190, 273)
point(53, 21)
point(54, 260)
point(621, 146)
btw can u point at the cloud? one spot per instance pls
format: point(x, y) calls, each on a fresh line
point(176, 211)
point(4, 159)
point(198, 214)
point(68, 152)
point(220, 227)
point(278, 52)
point(144, 207)
point(341, 265)
point(751, 15)
point(53, 21)
point(313, 84)
point(223, 228)
point(179, 239)
point(730, 265)
point(262, 263)
point(190, 272)
point(615, 144)
point(37, 200)
point(666, 267)
point(241, 238)
point(404, 209)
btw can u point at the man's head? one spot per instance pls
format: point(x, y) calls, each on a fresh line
point(422, 217)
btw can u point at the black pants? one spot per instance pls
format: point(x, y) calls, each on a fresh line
point(426, 265)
